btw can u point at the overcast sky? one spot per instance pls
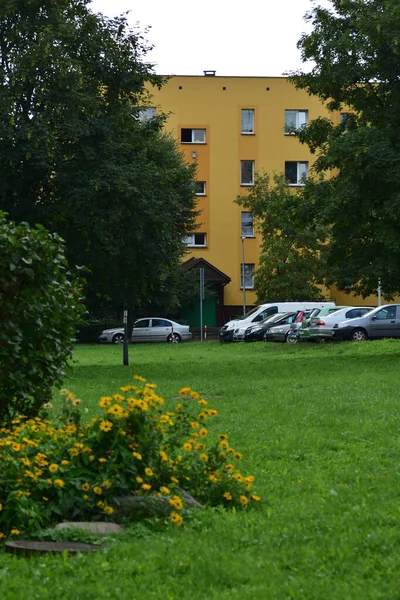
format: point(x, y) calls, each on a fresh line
point(254, 37)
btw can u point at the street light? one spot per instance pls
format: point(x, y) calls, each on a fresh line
point(243, 280)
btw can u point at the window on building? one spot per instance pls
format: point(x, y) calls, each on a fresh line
point(195, 240)
point(200, 188)
point(247, 224)
point(296, 173)
point(145, 114)
point(247, 120)
point(193, 136)
point(247, 172)
point(294, 119)
point(248, 276)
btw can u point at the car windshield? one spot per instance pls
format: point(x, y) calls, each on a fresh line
point(274, 318)
point(249, 314)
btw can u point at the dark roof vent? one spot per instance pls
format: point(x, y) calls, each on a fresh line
point(209, 73)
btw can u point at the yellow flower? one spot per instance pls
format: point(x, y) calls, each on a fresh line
point(184, 391)
point(164, 490)
point(106, 484)
point(65, 463)
point(204, 457)
point(15, 532)
point(108, 510)
point(137, 455)
point(139, 378)
point(2, 535)
point(16, 447)
point(164, 457)
point(85, 497)
point(203, 432)
point(116, 410)
point(92, 457)
point(58, 483)
point(105, 425)
point(74, 452)
point(102, 460)
point(97, 490)
point(1, 506)
point(195, 425)
point(26, 462)
point(105, 401)
point(176, 518)
point(118, 398)
point(85, 486)
point(256, 498)
point(212, 412)
point(174, 480)
point(139, 479)
point(223, 444)
point(249, 479)
point(244, 500)
point(228, 496)
point(213, 478)
point(238, 456)
point(146, 487)
point(53, 468)
point(176, 502)
point(77, 402)
point(149, 472)
point(237, 476)
point(187, 446)
point(203, 402)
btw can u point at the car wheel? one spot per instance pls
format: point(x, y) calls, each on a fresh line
point(118, 338)
point(291, 337)
point(359, 335)
point(174, 338)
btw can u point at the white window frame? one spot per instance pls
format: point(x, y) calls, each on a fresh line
point(300, 172)
point(194, 135)
point(248, 183)
point(248, 111)
point(249, 269)
point(190, 240)
point(245, 227)
point(301, 120)
point(147, 113)
point(203, 193)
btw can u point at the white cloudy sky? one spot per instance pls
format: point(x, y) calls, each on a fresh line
point(253, 37)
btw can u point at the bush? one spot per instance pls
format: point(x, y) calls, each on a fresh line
point(137, 448)
point(39, 314)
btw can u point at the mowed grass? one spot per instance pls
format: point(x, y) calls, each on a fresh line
point(318, 426)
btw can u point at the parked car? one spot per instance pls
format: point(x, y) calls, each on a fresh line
point(256, 333)
point(239, 333)
point(259, 313)
point(320, 328)
point(380, 322)
point(303, 332)
point(286, 332)
point(150, 329)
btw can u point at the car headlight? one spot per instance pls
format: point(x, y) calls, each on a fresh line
point(276, 330)
point(253, 329)
point(340, 325)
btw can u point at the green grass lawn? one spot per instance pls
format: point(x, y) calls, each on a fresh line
point(318, 426)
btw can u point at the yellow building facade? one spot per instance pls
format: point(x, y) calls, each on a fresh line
point(232, 127)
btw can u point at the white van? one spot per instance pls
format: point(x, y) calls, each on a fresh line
point(259, 313)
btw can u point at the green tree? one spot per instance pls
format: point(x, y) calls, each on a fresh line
point(40, 310)
point(355, 46)
point(291, 263)
point(75, 154)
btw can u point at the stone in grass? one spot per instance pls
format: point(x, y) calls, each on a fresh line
point(92, 527)
point(29, 548)
point(139, 507)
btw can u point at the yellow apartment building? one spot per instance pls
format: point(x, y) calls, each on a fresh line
point(232, 127)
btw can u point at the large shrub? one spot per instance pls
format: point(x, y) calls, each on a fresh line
point(39, 313)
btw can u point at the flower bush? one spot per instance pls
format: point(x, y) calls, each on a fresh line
point(56, 470)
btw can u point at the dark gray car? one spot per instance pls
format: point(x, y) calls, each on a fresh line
point(380, 322)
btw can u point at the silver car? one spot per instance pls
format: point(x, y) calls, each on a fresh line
point(320, 328)
point(150, 329)
point(380, 322)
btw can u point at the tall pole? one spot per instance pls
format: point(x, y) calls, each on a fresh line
point(201, 301)
point(125, 359)
point(243, 279)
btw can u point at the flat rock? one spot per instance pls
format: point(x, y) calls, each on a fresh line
point(28, 547)
point(95, 527)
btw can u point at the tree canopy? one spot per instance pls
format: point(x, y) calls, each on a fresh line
point(76, 154)
point(355, 47)
point(291, 264)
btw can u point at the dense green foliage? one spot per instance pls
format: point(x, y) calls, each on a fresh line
point(290, 263)
point(318, 427)
point(356, 51)
point(75, 154)
point(39, 314)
